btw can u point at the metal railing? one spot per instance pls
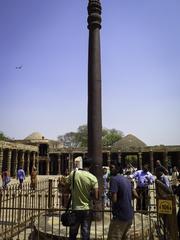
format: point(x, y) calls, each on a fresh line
point(35, 214)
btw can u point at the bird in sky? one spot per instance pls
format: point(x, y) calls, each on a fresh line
point(19, 67)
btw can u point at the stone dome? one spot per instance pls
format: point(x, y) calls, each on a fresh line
point(129, 142)
point(35, 136)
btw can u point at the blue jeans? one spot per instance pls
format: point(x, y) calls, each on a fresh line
point(84, 220)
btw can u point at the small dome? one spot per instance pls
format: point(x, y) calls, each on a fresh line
point(129, 142)
point(35, 136)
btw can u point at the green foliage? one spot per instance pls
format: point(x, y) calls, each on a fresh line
point(80, 138)
point(3, 137)
point(68, 139)
point(111, 136)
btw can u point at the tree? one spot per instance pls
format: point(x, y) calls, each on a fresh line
point(80, 138)
point(3, 137)
point(111, 136)
point(68, 139)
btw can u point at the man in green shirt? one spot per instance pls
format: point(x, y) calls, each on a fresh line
point(84, 189)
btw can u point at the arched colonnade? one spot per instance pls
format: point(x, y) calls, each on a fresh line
point(12, 156)
point(51, 161)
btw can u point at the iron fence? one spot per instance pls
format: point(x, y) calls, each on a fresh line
point(35, 214)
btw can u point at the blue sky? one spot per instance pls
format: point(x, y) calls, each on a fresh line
point(140, 55)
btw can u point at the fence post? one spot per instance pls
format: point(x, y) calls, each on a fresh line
point(50, 194)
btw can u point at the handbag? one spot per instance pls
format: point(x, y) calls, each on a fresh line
point(68, 218)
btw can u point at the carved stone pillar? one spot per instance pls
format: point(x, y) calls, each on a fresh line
point(47, 165)
point(14, 163)
point(151, 162)
point(9, 160)
point(140, 159)
point(1, 159)
point(37, 163)
point(33, 159)
point(108, 158)
point(84, 155)
point(119, 157)
point(59, 164)
point(165, 159)
point(22, 160)
point(70, 162)
point(178, 160)
point(28, 163)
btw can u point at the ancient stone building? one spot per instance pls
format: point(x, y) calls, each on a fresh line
point(13, 155)
point(52, 158)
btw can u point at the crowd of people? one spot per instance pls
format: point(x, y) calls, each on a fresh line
point(120, 186)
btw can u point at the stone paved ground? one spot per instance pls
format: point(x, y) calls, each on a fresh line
point(24, 235)
point(44, 226)
point(27, 179)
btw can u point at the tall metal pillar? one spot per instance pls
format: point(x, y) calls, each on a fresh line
point(94, 95)
point(94, 88)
